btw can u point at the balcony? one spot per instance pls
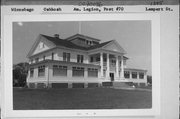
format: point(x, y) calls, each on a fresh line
point(98, 63)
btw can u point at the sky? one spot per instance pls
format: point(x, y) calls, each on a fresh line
point(133, 36)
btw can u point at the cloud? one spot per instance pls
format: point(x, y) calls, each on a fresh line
point(20, 23)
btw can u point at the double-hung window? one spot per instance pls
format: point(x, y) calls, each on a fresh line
point(59, 70)
point(92, 72)
point(134, 75)
point(80, 58)
point(141, 75)
point(52, 56)
point(41, 70)
point(126, 74)
point(31, 72)
point(78, 71)
point(66, 57)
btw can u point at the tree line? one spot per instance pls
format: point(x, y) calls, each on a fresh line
point(20, 72)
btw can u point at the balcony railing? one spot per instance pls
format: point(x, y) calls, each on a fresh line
point(98, 63)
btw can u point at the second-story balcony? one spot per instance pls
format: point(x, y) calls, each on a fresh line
point(104, 64)
point(112, 66)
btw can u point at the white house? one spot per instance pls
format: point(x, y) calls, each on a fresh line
point(79, 61)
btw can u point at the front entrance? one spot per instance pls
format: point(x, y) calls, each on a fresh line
point(111, 76)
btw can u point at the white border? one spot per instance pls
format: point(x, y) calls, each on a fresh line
point(7, 109)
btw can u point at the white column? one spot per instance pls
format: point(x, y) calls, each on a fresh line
point(122, 68)
point(107, 63)
point(101, 63)
point(137, 75)
point(117, 67)
point(130, 73)
point(145, 78)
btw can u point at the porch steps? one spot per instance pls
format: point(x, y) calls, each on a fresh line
point(123, 85)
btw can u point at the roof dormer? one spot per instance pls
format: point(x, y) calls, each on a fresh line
point(83, 41)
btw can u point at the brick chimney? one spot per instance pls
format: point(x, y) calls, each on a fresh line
point(56, 35)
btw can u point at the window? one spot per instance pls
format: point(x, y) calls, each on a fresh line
point(41, 71)
point(59, 70)
point(97, 59)
point(36, 60)
point(31, 61)
point(78, 71)
point(126, 74)
point(44, 57)
point(104, 59)
point(134, 75)
point(92, 72)
point(52, 56)
point(104, 72)
point(113, 62)
point(141, 75)
point(80, 58)
point(41, 45)
point(66, 57)
point(91, 59)
point(31, 72)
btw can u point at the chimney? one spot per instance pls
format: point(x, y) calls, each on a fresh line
point(56, 35)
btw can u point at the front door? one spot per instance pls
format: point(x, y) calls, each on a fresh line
point(112, 76)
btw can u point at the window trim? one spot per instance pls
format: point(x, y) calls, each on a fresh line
point(80, 58)
point(78, 69)
point(31, 75)
point(140, 73)
point(134, 73)
point(41, 68)
point(66, 57)
point(60, 67)
point(125, 74)
point(92, 70)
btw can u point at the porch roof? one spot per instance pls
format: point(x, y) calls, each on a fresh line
point(63, 62)
point(133, 69)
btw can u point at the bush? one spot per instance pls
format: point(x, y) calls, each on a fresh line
point(92, 85)
point(41, 85)
point(32, 85)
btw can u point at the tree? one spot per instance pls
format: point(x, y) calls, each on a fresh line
point(149, 79)
point(20, 72)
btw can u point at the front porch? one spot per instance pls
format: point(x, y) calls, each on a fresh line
point(111, 65)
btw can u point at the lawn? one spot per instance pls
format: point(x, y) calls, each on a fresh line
point(89, 98)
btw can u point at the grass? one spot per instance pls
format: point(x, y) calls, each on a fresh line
point(89, 98)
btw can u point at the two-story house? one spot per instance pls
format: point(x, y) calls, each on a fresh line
point(78, 61)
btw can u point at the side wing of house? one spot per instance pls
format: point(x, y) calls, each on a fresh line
point(114, 46)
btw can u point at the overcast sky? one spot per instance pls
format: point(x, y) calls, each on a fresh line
point(133, 36)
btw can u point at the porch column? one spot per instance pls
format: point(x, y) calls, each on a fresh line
point(101, 63)
point(107, 63)
point(130, 74)
point(122, 68)
point(117, 67)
